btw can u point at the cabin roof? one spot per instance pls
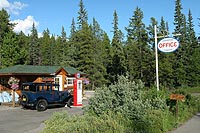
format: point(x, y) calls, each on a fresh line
point(32, 70)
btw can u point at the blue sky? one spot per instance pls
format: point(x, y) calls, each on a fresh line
point(53, 14)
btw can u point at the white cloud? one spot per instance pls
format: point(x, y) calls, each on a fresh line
point(14, 7)
point(25, 25)
point(4, 4)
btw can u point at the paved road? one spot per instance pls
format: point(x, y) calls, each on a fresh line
point(17, 120)
point(191, 126)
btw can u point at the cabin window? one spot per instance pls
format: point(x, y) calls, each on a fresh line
point(70, 81)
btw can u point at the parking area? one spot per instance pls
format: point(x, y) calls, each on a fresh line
point(18, 120)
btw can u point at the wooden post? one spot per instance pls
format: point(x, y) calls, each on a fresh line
point(13, 97)
point(177, 109)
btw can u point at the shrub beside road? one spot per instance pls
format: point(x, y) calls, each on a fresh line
point(127, 107)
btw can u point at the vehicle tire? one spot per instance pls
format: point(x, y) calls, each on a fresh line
point(70, 102)
point(41, 105)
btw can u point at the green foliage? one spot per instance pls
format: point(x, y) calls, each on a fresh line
point(62, 122)
point(125, 107)
point(131, 100)
point(34, 49)
point(89, 49)
point(10, 51)
point(115, 97)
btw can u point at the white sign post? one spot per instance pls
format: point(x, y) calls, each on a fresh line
point(165, 45)
point(156, 53)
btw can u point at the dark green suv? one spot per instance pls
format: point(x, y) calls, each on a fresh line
point(42, 95)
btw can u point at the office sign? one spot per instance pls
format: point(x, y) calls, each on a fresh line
point(168, 45)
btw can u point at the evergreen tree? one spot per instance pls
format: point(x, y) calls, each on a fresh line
point(85, 55)
point(191, 49)
point(58, 51)
point(165, 59)
point(53, 55)
point(73, 28)
point(118, 64)
point(82, 15)
point(34, 49)
point(72, 50)
point(138, 51)
point(24, 46)
point(45, 47)
point(99, 54)
point(10, 50)
point(106, 54)
point(180, 54)
point(64, 49)
point(151, 34)
point(5, 27)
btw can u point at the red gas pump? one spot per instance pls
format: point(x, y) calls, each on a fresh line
point(77, 90)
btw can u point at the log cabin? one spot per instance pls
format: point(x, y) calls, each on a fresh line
point(64, 76)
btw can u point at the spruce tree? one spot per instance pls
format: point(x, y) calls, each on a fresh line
point(85, 55)
point(99, 53)
point(180, 53)
point(10, 50)
point(165, 59)
point(192, 70)
point(73, 28)
point(64, 59)
point(24, 46)
point(5, 27)
point(118, 64)
point(45, 47)
point(138, 51)
point(82, 15)
point(34, 47)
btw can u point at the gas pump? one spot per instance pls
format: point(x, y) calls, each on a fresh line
point(77, 90)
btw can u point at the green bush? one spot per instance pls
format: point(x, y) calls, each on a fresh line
point(115, 97)
point(131, 100)
point(126, 106)
point(108, 122)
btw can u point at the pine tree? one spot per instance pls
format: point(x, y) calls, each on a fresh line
point(192, 70)
point(82, 15)
point(85, 55)
point(45, 47)
point(24, 46)
point(53, 55)
point(34, 49)
point(165, 59)
point(118, 64)
point(138, 51)
point(10, 50)
point(73, 28)
point(64, 49)
point(180, 53)
point(5, 27)
point(98, 54)
point(150, 30)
